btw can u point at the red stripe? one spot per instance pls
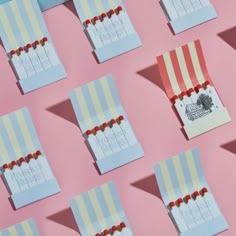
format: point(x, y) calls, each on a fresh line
point(165, 76)
point(178, 73)
point(189, 64)
point(202, 60)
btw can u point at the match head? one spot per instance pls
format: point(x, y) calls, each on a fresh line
point(179, 201)
point(95, 19)
point(45, 39)
point(12, 52)
point(104, 125)
point(204, 190)
point(183, 94)
point(36, 43)
point(171, 205)
point(103, 15)
point(38, 153)
point(173, 99)
point(20, 49)
point(122, 225)
point(121, 118)
point(111, 12)
point(114, 228)
point(191, 90)
point(196, 194)
point(30, 156)
point(106, 232)
point(197, 88)
point(119, 9)
point(5, 166)
point(22, 159)
point(13, 163)
point(88, 132)
point(28, 46)
point(96, 128)
point(188, 197)
point(97, 234)
point(87, 22)
point(113, 121)
point(207, 83)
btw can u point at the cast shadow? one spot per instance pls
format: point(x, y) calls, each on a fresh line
point(229, 36)
point(149, 185)
point(70, 6)
point(152, 73)
point(230, 146)
point(64, 110)
point(66, 218)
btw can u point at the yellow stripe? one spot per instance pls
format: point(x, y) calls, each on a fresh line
point(183, 68)
point(83, 107)
point(167, 181)
point(180, 176)
point(33, 19)
point(12, 136)
point(112, 4)
point(20, 23)
point(86, 9)
point(96, 102)
point(12, 231)
point(25, 131)
point(109, 98)
point(4, 154)
point(196, 63)
point(110, 204)
point(97, 209)
point(7, 28)
point(192, 169)
point(171, 73)
point(27, 229)
point(85, 216)
point(99, 6)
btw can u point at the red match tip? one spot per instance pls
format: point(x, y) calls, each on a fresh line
point(38, 153)
point(174, 98)
point(119, 9)
point(95, 18)
point(204, 190)
point(121, 118)
point(188, 197)
point(122, 225)
point(180, 200)
point(22, 159)
point(106, 232)
point(111, 12)
point(97, 234)
point(13, 52)
point(36, 42)
point(87, 22)
point(196, 194)
point(198, 87)
point(96, 128)
point(183, 94)
point(13, 163)
point(21, 49)
point(103, 15)
point(5, 166)
point(88, 132)
point(29, 45)
point(113, 121)
point(191, 90)
point(45, 39)
point(104, 125)
point(114, 228)
point(30, 156)
point(207, 83)
point(171, 204)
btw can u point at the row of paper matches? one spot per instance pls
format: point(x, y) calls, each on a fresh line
point(108, 28)
point(197, 103)
point(193, 210)
point(111, 137)
point(27, 172)
point(34, 58)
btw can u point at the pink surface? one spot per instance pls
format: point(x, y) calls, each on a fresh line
point(148, 109)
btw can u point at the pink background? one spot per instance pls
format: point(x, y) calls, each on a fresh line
point(149, 110)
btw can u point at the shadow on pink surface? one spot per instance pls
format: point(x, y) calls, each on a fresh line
point(229, 36)
point(66, 218)
point(64, 110)
point(70, 6)
point(230, 146)
point(152, 74)
point(149, 185)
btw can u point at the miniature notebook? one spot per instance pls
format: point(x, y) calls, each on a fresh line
point(185, 14)
point(108, 27)
point(28, 44)
point(104, 124)
point(99, 212)
point(24, 167)
point(46, 4)
point(188, 84)
point(25, 228)
point(187, 196)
